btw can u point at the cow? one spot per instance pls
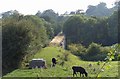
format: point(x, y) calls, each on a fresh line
point(79, 69)
point(37, 63)
point(53, 62)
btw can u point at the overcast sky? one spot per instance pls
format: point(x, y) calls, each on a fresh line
point(60, 6)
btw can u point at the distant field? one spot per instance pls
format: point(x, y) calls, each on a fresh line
point(65, 71)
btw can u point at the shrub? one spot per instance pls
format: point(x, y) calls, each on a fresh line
point(94, 52)
point(93, 49)
point(77, 49)
point(118, 58)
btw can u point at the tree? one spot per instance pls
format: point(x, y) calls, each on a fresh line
point(49, 29)
point(22, 37)
point(119, 22)
point(72, 12)
point(78, 11)
point(9, 13)
point(98, 10)
point(113, 28)
point(38, 13)
point(79, 29)
point(71, 29)
point(51, 17)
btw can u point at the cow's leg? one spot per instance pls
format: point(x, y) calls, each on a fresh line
point(73, 73)
point(83, 75)
point(80, 74)
point(76, 74)
point(53, 65)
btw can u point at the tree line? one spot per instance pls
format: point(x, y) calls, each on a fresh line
point(85, 30)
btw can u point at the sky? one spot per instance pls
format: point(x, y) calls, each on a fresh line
point(59, 6)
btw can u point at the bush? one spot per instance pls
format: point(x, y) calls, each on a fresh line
point(118, 58)
point(93, 49)
point(94, 52)
point(77, 49)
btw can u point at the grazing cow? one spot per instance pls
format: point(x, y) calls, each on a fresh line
point(37, 63)
point(79, 69)
point(53, 62)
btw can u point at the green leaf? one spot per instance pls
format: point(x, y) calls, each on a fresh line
point(112, 57)
point(111, 51)
point(109, 54)
point(107, 67)
point(99, 75)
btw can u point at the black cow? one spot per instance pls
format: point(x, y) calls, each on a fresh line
point(79, 69)
point(53, 62)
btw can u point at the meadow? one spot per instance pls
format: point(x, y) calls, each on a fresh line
point(65, 70)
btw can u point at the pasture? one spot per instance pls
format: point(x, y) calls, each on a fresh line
point(65, 70)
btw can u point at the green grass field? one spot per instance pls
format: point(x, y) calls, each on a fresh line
point(65, 70)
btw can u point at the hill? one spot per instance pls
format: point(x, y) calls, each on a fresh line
point(65, 70)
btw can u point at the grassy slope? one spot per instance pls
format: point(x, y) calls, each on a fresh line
point(65, 71)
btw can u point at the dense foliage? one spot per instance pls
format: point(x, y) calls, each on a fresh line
point(100, 10)
point(94, 52)
point(81, 31)
point(22, 36)
point(85, 30)
point(54, 19)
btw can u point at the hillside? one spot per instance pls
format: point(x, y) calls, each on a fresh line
point(65, 71)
